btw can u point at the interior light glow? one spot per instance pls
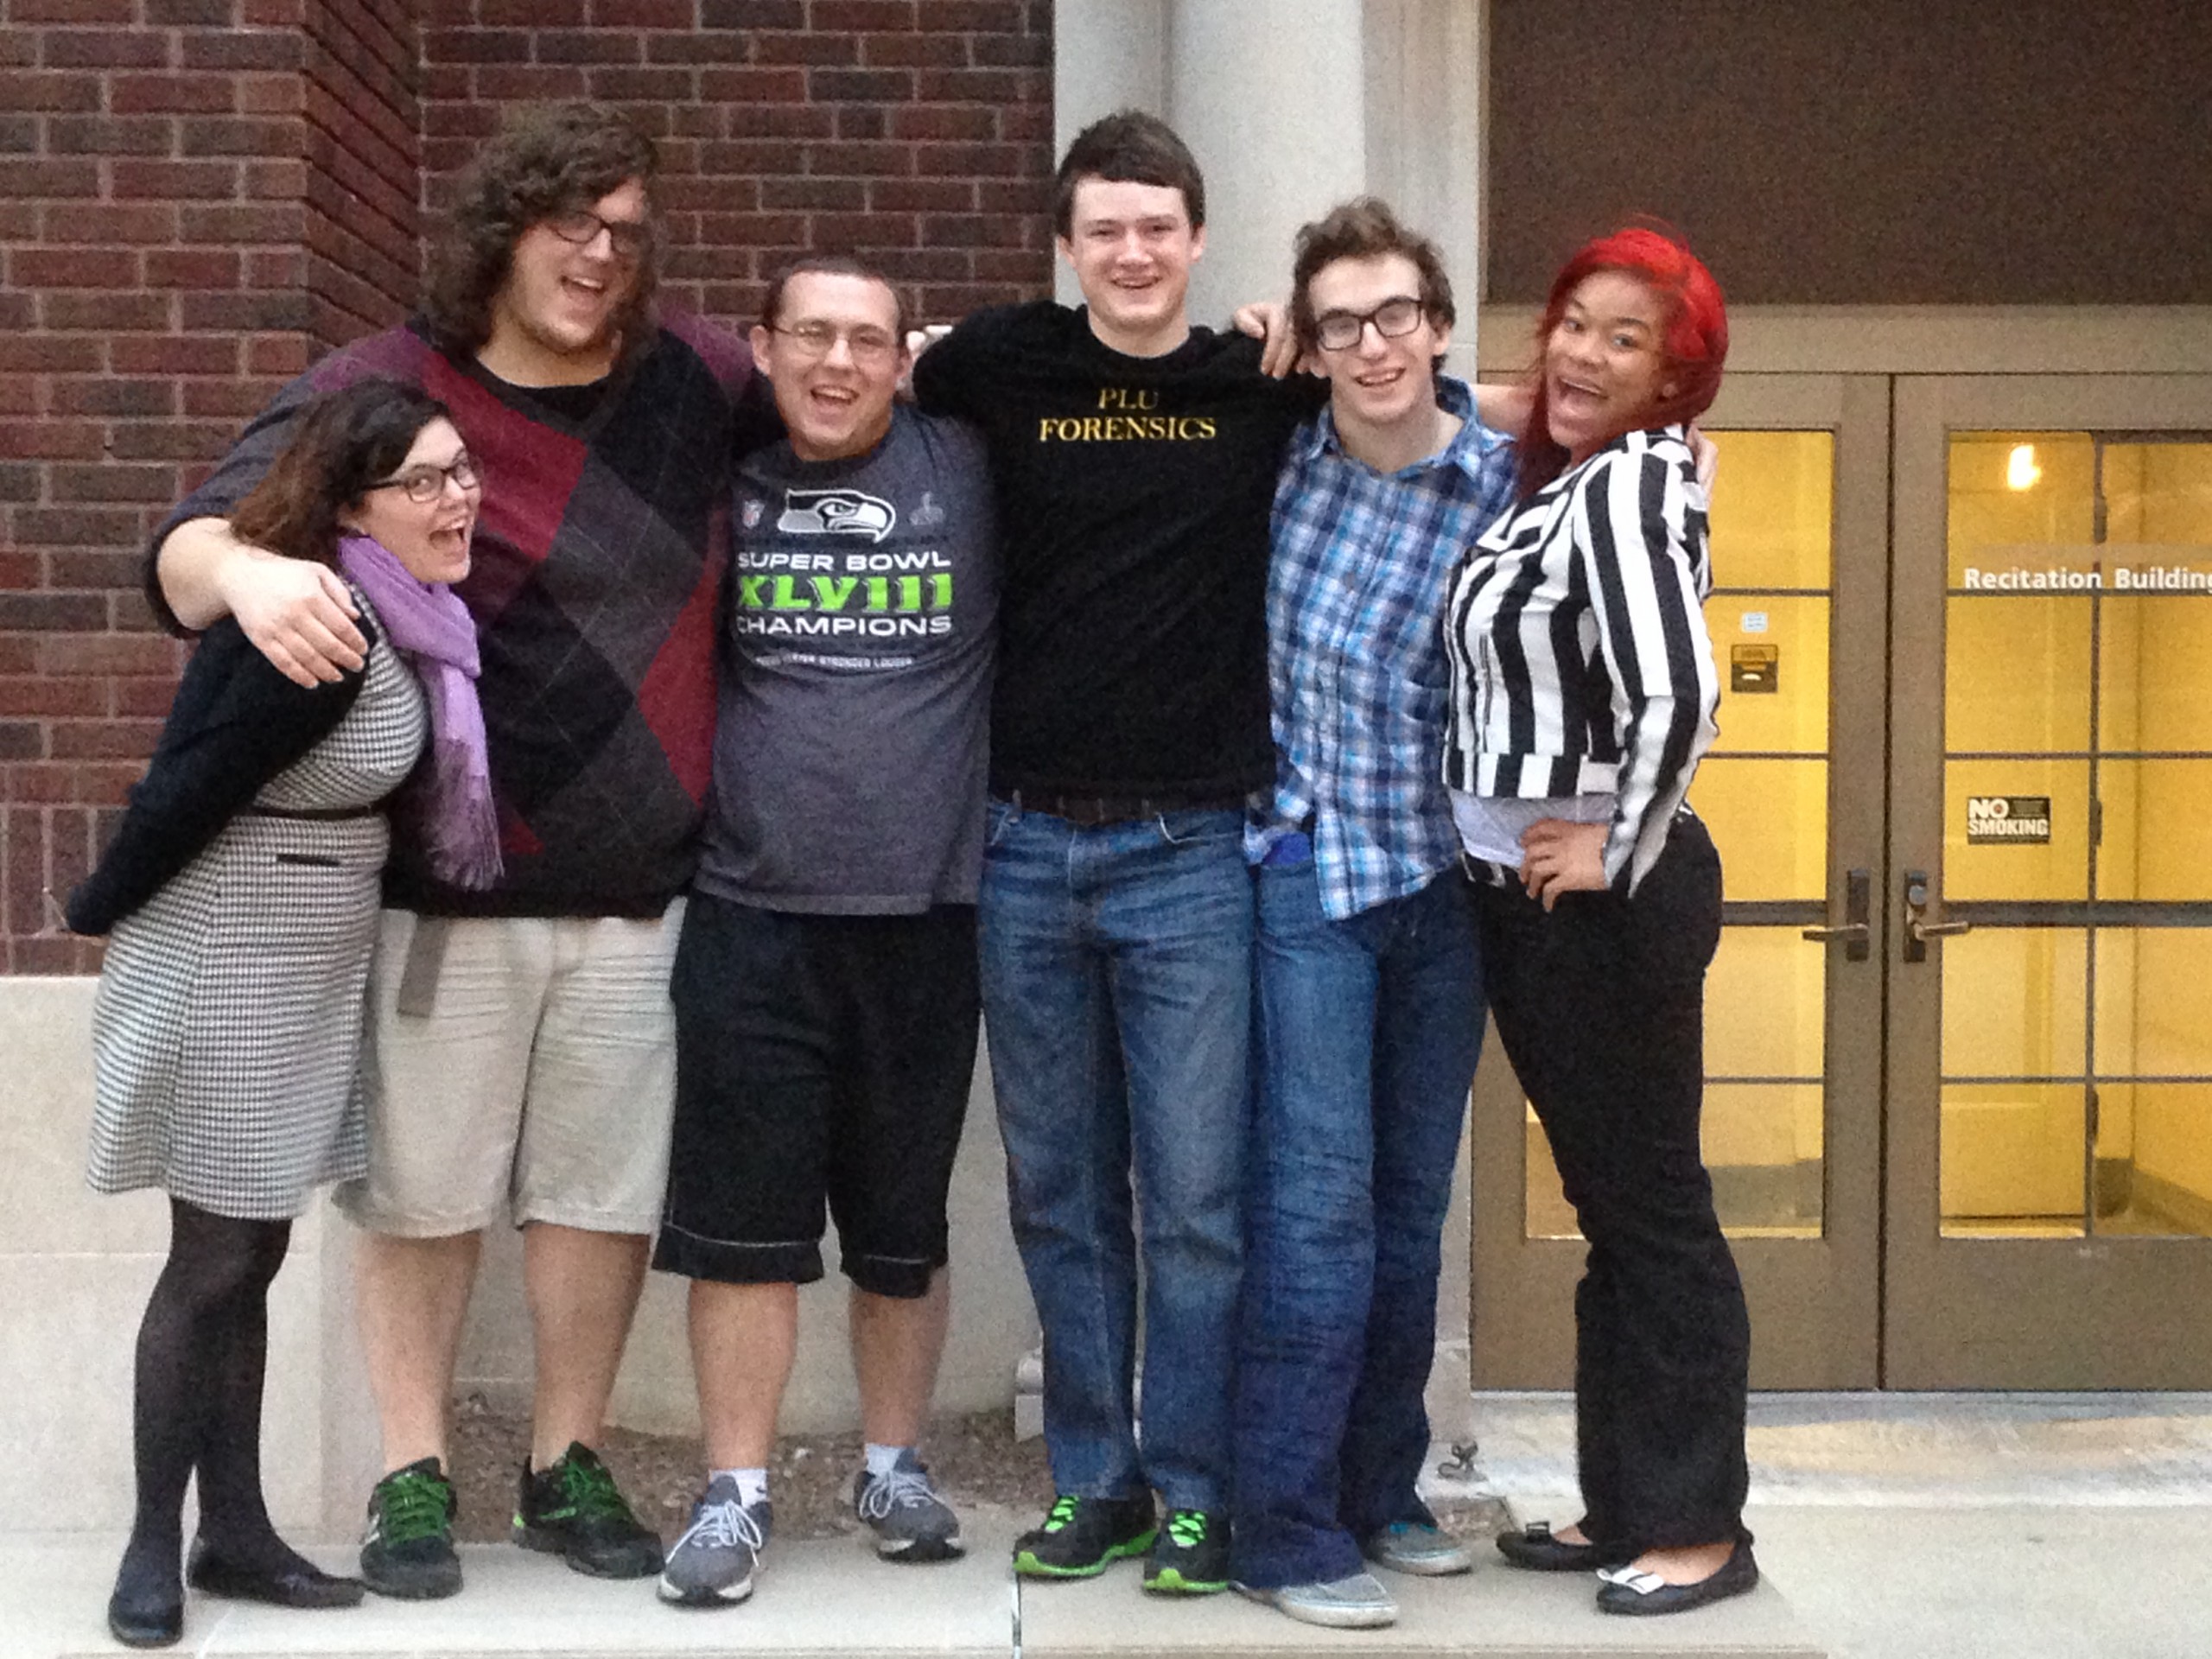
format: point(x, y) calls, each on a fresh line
point(2021, 469)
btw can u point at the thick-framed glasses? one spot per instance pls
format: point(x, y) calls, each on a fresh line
point(626, 236)
point(1339, 331)
point(426, 483)
point(871, 347)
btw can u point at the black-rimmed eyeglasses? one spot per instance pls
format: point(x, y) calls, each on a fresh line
point(627, 237)
point(1339, 331)
point(425, 484)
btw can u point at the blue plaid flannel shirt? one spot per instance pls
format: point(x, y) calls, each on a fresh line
point(1355, 666)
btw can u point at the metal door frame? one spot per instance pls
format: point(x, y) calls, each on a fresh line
point(2096, 1312)
point(1815, 1303)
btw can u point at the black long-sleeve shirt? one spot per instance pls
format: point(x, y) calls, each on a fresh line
point(235, 724)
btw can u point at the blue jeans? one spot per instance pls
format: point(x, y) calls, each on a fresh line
point(1367, 1033)
point(1116, 978)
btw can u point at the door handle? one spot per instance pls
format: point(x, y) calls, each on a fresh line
point(1918, 930)
point(1856, 929)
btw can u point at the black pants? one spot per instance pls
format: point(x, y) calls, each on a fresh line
point(1601, 1004)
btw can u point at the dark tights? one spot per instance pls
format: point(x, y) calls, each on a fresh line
point(203, 1349)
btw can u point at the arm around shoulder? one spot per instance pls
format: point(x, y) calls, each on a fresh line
point(1505, 408)
point(297, 614)
point(953, 374)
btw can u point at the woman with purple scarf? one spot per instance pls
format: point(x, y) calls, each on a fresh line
point(240, 892)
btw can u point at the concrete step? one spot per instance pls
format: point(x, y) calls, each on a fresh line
point(815, 1599)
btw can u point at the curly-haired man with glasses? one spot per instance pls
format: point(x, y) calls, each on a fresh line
point(520, 1059)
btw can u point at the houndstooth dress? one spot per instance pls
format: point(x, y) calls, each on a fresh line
point(226, 1031)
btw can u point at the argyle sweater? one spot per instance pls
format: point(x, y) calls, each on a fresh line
point(599, 557)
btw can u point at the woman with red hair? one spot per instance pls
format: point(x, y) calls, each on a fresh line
point(1583, 691)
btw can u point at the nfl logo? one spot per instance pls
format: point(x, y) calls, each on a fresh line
point(752, 511)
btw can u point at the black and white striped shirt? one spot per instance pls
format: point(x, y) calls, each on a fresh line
point(1581, 664)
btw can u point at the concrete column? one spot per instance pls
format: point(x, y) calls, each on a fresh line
point(1426, 66)
point(1292, 105)
point(1107, 55)
point(1271, 96)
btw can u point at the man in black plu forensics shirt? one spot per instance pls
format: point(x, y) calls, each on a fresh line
point(1135, 460)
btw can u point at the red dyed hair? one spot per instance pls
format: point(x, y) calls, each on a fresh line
point(1695, 343)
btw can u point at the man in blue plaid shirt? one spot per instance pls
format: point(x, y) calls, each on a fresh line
point(1369, 989)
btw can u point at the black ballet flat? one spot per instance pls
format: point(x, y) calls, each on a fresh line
point(303, 1586)
point(1534, 1549)
point(141, 1619)
point(1624, 1590)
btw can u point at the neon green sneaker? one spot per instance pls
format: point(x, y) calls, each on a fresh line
point(1191, 1555)
point(1083, 1537)
point(574, 1510)
point(408, 1551)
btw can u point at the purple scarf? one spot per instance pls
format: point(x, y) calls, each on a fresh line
point(432, 629)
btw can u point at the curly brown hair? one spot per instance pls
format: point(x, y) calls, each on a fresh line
point(1363, 228)
point(347, 441)
point(552, 159)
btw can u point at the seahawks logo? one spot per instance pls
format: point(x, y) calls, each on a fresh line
point(837, 513)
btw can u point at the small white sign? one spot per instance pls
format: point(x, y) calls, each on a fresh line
point(1754, 621)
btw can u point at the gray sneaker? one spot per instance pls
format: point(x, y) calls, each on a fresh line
point(712, 1563)
point(912, 1523)
point(1356, 1603)
point(1418, 1547)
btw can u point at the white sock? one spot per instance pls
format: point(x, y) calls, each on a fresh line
point(752, 1483)
point(882, 1459)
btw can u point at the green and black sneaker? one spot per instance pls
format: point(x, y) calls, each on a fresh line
point(573, 1510)
point(1083, 1537)
point(408, 1551)
point(1190, 1556)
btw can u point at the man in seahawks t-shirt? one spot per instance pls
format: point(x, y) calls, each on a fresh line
point(825, 984)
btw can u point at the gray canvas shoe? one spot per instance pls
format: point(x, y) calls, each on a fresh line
point(1356, 1603)
point(911, 1522)
point(1418, 1547)
point(712, 1563)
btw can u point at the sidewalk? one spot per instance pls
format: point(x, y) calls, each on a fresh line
point(1926, 1526)
point(832, 1597)
point(1889, 1527)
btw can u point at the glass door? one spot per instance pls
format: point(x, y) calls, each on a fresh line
point(1793, 795)
point(2050, 897)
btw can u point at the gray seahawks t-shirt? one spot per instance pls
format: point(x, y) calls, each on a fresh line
point(857, 637)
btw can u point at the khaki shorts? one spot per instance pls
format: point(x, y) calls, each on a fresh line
point(538, 1087)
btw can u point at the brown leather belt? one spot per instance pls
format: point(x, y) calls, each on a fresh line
point(1088, 811)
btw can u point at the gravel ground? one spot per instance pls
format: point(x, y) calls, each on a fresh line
point(977, 1461)
point(978, 1464)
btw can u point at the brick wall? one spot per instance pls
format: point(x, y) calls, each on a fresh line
point(363, 137)
point(197, 196)
point(153, 194)
point(917, 132)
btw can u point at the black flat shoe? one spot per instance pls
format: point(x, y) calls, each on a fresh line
point(1534, 1549)
point(1624, 1590)
point(140, 1616)
point(303, 1586)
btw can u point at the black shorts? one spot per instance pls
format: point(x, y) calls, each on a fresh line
point(820, 1061)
